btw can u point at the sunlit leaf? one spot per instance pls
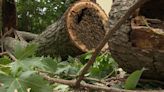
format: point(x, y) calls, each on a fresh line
point(26, 80)
point(103, 66)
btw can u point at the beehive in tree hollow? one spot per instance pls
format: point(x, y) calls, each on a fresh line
point(80, 29)
point(139, 43)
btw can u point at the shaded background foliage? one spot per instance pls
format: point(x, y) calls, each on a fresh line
point(35, 15)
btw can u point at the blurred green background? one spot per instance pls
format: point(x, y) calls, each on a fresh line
point(35, 15)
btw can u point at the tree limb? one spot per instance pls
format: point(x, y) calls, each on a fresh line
point(85, 85)
point(89, 86)
point(27, 35)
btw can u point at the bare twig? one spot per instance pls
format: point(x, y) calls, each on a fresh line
point(74, 76)
point(85, 85)
point(90, 86)
point(106, 38)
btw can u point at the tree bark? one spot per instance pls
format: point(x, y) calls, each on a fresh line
point(79, 30)
point(132, 57)
point(9, 17)
point(27, 36)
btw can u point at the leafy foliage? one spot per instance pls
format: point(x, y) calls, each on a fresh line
point(104, 66)
point(4, 67)
point(22, 74)
point(24, 52)
point(36, 15)
point(26, 80)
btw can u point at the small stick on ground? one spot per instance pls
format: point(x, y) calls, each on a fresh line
point(106, 38)
point(84, 85)
point(89, 86)
point(74, 76)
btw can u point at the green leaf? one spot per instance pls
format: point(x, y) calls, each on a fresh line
point(6, 80)
point(133, 79)
point(104, 66)
point(27, 64)
point(50, 64)
point(5, 60)
point(2, 89)
point(25, 52)
point(4, 67)
point(2, 72)
point(36, 83)
point(16, 84)
point(85, 57)
point(65, 68)
point(26, 80)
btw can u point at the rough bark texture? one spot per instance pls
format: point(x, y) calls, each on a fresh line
point(80, 29)
point(27, 36)
point(9, 17)
point(132, 58)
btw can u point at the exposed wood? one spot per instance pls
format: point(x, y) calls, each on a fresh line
point(109, 34)
point(80, 29)
point(144, 36)
point(130, 57)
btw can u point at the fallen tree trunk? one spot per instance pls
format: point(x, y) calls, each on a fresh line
point(134, 48)
point(79, 30)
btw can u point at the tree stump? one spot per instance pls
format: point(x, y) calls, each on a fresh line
point(79, 30)
point(136, 46)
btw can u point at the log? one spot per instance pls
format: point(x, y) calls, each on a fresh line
point(145, 36)
point(126, 44)
point(79, 30)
